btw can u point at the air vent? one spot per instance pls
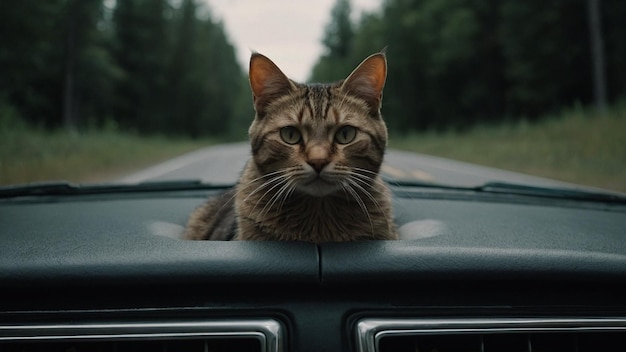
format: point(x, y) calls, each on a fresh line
point(211, 345)
point(487, 335)
point(214, 336)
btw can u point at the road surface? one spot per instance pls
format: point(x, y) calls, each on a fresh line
point(222, 164)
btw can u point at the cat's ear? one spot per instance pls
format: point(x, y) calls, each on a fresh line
point(267, 81)
point(368, 80)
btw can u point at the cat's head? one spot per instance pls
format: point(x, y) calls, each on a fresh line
point(318, 138)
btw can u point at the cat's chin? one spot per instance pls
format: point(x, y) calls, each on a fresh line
point(319, 188)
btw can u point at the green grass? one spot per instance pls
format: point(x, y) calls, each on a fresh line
point(579, 146)
point(32, 155)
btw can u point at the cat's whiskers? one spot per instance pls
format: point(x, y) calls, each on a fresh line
point(278, 181)
point(244, 187)
point(285, 176)
point(279, 171)
point(354, 181)
point(363, 183)
point(364, 179)
point(289, 193)
point(374, 177)
point(347, 186)
point(291, 187)
point(365, 170)
point(287, 186)
point(281, 174)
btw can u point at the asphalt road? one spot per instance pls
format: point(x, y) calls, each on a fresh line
point(221, 164)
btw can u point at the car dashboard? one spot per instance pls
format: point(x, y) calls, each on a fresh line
point(106, 271)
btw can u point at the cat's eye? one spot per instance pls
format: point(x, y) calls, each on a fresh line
point(345, 135)
point(290, 135)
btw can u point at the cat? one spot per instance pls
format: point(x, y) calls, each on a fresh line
point(316, 151)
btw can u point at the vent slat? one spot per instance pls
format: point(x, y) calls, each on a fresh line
point(210, 335)
point(183, 345)
point(467, 334)
point(507, 342)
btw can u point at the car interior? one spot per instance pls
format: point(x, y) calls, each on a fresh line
point(474, 271)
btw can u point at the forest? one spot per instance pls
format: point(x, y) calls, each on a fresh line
point(147, 66)
point(457, 63)
point(167, 67)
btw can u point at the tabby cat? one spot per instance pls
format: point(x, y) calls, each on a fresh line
point(317, 150)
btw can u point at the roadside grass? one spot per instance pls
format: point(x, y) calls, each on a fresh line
point(579, 145)
point(32, 155)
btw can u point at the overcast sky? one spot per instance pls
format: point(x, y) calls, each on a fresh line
point(287, 31)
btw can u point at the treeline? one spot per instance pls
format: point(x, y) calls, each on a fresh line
point(166, 66)
point(143, 65)
point(453, 63)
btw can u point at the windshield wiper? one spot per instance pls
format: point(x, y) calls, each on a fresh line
point(506, 188)
point(66, 188)
point(393, 182)
point(552, 192)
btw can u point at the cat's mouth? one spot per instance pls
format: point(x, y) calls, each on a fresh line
point(319, 186)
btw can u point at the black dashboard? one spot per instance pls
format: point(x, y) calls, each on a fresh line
point(473, 272)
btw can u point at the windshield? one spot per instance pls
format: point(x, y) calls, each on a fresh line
point(109, 92)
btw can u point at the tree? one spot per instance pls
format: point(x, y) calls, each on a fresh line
point(339, 32)
point(88, 71)
point(597, 54)
point(55, 62)
point(613, 13)
point(338, 36)
point(142, 50)
point(204, 78)
point(31, 64)
point(432, 55)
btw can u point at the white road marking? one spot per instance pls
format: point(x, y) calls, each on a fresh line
point(422, 175)
point(166, 167)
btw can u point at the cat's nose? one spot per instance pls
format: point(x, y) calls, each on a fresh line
point(317, 157)
point(317, 164)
